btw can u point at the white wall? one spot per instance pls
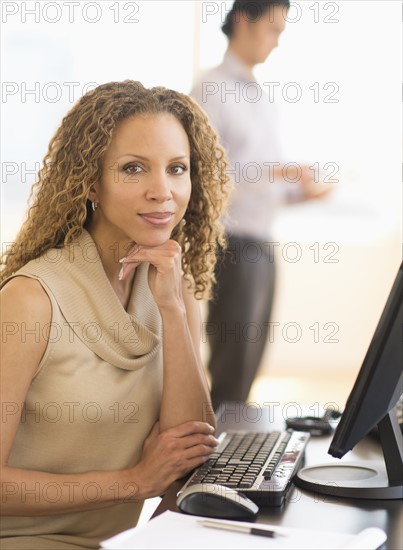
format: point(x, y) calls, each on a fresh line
point(58, 51)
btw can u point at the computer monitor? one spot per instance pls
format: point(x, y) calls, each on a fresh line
point(376, 390)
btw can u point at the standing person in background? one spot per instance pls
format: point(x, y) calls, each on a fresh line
point(102, 408)
point(248, 129)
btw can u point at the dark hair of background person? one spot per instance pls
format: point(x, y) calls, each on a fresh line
point(252, 10)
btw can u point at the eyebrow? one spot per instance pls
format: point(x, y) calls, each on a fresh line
point(181, 157)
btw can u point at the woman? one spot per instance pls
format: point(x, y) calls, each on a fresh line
point(105, 398)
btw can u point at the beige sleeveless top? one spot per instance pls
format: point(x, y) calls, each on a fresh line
point(95, 396)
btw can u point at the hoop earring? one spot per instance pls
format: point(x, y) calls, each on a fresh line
point(94, 205)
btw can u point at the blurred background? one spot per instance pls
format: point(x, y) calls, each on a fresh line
point(337, 75)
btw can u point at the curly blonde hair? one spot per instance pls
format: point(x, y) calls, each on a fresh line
point(60, 206)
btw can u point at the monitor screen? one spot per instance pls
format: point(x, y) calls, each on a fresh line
point(376, 390)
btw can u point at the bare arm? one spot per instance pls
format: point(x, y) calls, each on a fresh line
point(166, 456)
point(186, 394)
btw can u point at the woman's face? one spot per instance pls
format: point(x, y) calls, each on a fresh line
point(145, 184)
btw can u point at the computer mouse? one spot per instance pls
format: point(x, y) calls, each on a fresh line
point(215, 501)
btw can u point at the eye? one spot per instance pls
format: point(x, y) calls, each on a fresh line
point(178, 169)
point(132, 168)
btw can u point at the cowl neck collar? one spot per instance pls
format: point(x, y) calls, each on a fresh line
point(75, 275)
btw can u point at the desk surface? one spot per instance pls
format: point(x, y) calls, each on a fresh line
point(304, 509)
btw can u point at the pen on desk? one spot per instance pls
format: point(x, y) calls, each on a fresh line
point(239, 528)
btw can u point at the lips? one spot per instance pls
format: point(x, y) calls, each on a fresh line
point(157, 218)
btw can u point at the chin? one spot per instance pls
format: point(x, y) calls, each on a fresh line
point(152, 236)
point(153, 240)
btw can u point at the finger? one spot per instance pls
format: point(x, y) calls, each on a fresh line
point(188, 466)
point(126, 269)
point(159, 259)
point(200, 439)
point(191, 427)
point(199, 450)
point(169, 249)
point(161, 264)
point(132, 252)
point(193, 463)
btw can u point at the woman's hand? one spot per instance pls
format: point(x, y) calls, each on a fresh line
point(165, 273)
point(171, 454)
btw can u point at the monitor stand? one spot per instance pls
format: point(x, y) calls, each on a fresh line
point(362, 480)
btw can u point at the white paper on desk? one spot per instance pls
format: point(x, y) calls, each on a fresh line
point(172, 530)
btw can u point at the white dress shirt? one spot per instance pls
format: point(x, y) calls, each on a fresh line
point(246, 120)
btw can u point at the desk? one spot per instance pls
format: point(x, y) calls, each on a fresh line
point(303, 509)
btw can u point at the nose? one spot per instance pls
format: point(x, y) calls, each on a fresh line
point(159, 189)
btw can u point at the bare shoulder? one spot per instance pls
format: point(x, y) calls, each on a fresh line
point(25, 298)
point(26, 312)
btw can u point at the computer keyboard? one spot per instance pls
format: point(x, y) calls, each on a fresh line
point(258, 464)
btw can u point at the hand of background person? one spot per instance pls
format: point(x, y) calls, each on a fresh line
point(312, 189)
point(165, 273)
point(171, 454)
point(303, 177)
